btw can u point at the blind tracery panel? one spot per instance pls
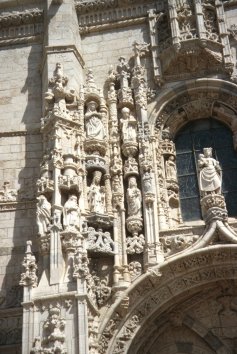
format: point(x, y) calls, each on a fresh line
point(189, 143)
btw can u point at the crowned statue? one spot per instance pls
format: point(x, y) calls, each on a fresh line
point(210, 176)
point(94, 126)
point(96, 195)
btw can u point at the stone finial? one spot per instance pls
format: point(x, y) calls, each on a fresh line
point(29, 277)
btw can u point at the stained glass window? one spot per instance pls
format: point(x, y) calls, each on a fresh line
point(189, 143)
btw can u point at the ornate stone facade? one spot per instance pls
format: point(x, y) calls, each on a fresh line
point(94, 98)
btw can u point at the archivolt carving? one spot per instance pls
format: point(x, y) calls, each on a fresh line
point(179, 276)
point(209, 98)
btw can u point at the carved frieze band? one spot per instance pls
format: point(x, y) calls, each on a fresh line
point(125, 15)
point(17, 27)
point(86, 6)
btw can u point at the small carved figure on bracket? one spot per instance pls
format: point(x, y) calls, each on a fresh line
point(94, 126)
point(96, 195)
point(43, 215)
point(209, 173)
point(134, 198)
point(147, 182)
point(59, 95)
point(71, 213)
point(128, 126)
point(123, 72)
point(170, 168)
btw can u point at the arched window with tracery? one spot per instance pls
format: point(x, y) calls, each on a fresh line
point(189, 142)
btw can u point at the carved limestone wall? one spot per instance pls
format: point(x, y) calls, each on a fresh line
point(96, 255)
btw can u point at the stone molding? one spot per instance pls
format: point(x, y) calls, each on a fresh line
point(152, 291)
point(105, 26)
point(86, 6)
point(17, 18)
point(21, 27)
point(125, 16)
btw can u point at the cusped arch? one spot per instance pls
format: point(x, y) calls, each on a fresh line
point(159, 290)
point(194, 99)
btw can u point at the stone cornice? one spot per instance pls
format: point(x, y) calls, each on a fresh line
point(105, 26)
point(95, 5)
point(86, 6)
point(101, 19)
point(17, 18)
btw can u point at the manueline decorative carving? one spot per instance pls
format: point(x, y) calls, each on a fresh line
point(29, 277)
point(54, 336)
point(96, 195)
point(43, 215)
point(135, 244)
point(94, 126)
point(209, 173)
point(58, 95)
point(7, 194)
point(99, 241)
point(71, 213)
point(17, 18)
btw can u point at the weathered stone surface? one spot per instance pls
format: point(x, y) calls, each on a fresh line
point(92, 96)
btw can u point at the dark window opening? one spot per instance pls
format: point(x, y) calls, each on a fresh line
point(189, 143)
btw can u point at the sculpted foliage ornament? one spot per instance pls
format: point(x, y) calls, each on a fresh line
point(135, 269)
point(135, 244)
point(59, 96)
point(18, 18)
point(7, 194)
point(99, 241)
point(29, 277)
point(81, 264)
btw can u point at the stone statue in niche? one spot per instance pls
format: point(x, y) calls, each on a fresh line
point(134, 198)
point(96, 195)
point(71, 213)
point(43, 215)
point(210, 177)
point(128, 126)
point(170, 168)
point(147, 182)
point(94, 126)
point(123, 73)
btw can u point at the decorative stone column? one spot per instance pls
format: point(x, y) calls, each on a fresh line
point(153, 253)
point(200, 20)
point(174, 24)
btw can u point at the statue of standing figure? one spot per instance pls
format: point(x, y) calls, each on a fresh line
point(129, 125)
point(210, 177)
point(43, 215)
point(71, 213)
point(96, 195)
point(94, 126)
point(134, 198)
point(170, 168)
